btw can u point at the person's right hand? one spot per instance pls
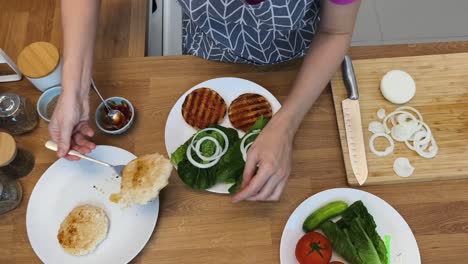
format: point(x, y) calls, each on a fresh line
point(69, 126)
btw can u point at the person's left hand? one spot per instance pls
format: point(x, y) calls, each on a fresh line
point(271, 152)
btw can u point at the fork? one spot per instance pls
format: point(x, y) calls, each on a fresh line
point(117, 168)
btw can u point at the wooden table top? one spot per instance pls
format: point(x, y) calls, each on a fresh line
point(121, 32)
point(199, 227)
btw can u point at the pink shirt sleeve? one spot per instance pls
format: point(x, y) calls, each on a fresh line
point(342, 2)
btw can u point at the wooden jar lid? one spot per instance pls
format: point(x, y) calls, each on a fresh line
point(7, 150)
point(38, 59)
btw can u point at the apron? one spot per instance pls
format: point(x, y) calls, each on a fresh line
point(234, 31)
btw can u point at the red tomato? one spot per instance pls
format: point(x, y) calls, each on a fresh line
point(336, 262)
point(313, 248)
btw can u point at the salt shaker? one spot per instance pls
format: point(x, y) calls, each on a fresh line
point(17, 114)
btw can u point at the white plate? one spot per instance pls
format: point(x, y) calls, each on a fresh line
point(178, 131)
point(66, 185)
point(403, 246)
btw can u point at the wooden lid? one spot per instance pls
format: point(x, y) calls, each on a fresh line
point(8, 149)
point(39, 59)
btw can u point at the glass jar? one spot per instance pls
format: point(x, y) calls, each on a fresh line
point(17, 114)
point(14, 162)
point(21, 166)
point(10, 194)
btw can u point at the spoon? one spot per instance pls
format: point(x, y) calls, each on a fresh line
point(114, 116)
point(117, 168)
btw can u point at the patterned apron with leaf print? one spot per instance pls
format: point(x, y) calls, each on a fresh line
point(235, 31)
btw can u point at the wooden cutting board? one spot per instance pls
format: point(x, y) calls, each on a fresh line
point(442, 99)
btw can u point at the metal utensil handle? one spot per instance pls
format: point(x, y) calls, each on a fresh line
point(93, 85)
point(53, 146)
point(349, 78)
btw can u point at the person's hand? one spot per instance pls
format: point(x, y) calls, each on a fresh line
point(269, 159)
point(69, 125)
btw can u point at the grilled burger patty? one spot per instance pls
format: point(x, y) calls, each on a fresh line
point(203, 107)
point(247, 108)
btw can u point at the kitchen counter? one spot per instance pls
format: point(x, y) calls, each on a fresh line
point(200, 227)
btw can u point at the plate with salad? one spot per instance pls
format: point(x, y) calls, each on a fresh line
point(210, 129)
point(347, 226)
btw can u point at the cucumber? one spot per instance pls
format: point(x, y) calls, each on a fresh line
point(324, 213)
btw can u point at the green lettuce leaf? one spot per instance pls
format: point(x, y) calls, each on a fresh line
point(359, 210)
point(196, 178)
point(179, 154)
point(341, 242)
point(355, 237)
point(229, 169)
point(207, 148)
point(363, 244)
point(231, 166)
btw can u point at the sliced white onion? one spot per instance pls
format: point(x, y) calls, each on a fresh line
point(244, 151)
point(387, 151)
point(402, 133)
point(226, 140)
point(427, 135)
point(195, 145)
point(402, 167)
point(410, 145)
point(413, 125)
point(402, 119)
point(404, 115)
point(409, 115)
point(407, 126)
point(197, 148)
point(418, 147)
point(409, 108)
point(200, 165)
point(381, 113)
point(398, 87)
point(244, 148)
point(376, 127)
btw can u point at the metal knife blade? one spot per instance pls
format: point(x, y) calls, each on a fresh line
point(353, 125)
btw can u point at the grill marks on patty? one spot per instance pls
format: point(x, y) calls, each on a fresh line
point(203, 107)
point(247, 108)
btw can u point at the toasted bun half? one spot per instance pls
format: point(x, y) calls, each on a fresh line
point(143, 178)
point(83, 229)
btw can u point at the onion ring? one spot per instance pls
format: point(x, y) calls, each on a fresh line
point(244, 151)
point(387, 151)
point(411, 116)
point(409, 108)
point(197, 148)
point(195, 145)
point(433, 149)
point(243, 148)
point(200, 165)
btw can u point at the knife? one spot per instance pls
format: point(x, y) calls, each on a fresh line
point(352, 121)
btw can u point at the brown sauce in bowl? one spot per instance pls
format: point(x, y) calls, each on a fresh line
point(123, 107)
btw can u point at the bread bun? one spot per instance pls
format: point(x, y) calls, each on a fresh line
point(83, 229)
